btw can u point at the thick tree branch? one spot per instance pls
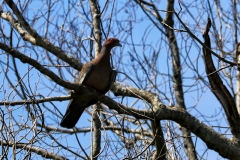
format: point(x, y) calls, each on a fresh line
point(111, 127)
point(212, 139)
point(202, 44)
point(39, 67)
point(177, 77)
point(37, 150)
point(149, 97)
point(238, 78)
point(161, 149)
point(35, 38)
point(96, 21)
point(218, 88)
point(168, 24)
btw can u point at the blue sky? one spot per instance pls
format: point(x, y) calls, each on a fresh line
point(198, 102)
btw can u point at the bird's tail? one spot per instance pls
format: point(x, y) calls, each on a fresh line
point(74, 111)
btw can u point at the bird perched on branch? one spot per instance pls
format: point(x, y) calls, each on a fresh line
point(97, 74)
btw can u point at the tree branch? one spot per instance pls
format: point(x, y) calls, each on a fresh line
point(39, 67)
point(27, 147)
point(218, 88)
point(35, 38)
point(212, 139)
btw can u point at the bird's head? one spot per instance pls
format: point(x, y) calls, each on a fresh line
point(112, 42)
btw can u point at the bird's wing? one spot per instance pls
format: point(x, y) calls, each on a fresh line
point(112, 79)
point(85, 72)
point(78, 104)
point(75, 109)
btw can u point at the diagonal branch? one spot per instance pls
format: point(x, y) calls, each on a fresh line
point(218, 88)
point(213, 140)
point(177, 77)
point(32, 36)
point(38, 66)
point(37, 150)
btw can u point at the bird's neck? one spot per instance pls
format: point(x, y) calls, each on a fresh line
point(105, 55)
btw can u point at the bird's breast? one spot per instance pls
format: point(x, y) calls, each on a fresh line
point(99, 78)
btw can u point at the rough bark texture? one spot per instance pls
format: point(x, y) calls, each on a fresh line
point(161, 149)
point(218, 88)
point(238, 79)
point(225, 147)
point(96, 21)
point(177, 78)
point(96, 146)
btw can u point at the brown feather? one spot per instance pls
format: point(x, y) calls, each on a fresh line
point(97, 74)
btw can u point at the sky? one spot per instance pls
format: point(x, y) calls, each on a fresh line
point(197, 103)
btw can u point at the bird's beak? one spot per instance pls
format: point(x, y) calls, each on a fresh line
point(119, 44)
